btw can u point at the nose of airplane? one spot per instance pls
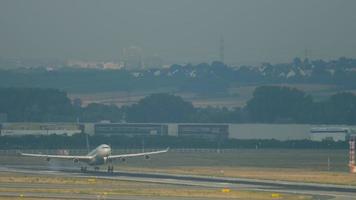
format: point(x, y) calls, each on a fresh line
point(105, 151)
point(108, 151)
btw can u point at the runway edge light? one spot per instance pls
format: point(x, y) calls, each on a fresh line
point(225, 190)
point(275, 195)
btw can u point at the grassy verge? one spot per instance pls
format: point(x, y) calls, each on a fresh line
point(109, 188)
point(309, 176)
point(273, 164)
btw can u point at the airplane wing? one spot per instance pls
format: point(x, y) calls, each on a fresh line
point(79, 158)
point(137, 154)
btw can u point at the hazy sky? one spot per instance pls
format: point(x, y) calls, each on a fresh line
point(178, 30)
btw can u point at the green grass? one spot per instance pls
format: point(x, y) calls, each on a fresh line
point(276, 164)
point(262, 158)
point(115, 189)
point(316, 160)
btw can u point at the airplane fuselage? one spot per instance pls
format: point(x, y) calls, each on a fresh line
point(100, 155)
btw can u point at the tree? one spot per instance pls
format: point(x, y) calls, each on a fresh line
point(278, 104)
point(160, 108)
point(340, 108)
point(95, 112)
point(297, 62)
point(34, 104)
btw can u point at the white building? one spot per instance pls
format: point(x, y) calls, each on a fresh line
point(269, 131)
point(20, 129)
point(330, 133)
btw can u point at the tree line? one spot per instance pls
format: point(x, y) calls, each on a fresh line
point(203, 79)
point(269, 104)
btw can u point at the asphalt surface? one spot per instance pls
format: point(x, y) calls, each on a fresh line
point(319, 191)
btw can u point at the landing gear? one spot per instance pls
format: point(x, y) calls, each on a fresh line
point(83, 169)
point(110, 169)
point(96, 168)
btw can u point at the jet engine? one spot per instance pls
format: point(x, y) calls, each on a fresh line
point(147, 157)
point(75, 160)
point(48, 159)
point(123, 159)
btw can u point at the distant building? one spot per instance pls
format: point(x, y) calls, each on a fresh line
point(131, 129)
point(94, 64)
point(20, 129)
point(132, 58)
point(153, 62)
point(330, 133)
point(270, 131)
point(193, 130)
point(209, 131)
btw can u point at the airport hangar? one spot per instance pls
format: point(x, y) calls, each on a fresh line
point(197, 130)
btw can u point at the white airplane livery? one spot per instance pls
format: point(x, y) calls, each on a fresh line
point(99, 156)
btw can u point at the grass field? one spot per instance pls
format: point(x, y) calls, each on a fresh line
point(310, 160)
point(273, 164)
point(284, 164)
point(237, 95)
point(258, 173)
point(23, 185)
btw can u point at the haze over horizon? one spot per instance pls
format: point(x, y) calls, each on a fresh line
point(178, 31)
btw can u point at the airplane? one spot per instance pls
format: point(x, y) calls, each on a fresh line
point(99, 156)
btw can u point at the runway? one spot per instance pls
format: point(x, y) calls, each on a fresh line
point(321, 191)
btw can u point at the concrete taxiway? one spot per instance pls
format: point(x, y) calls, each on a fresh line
point(321, 191)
